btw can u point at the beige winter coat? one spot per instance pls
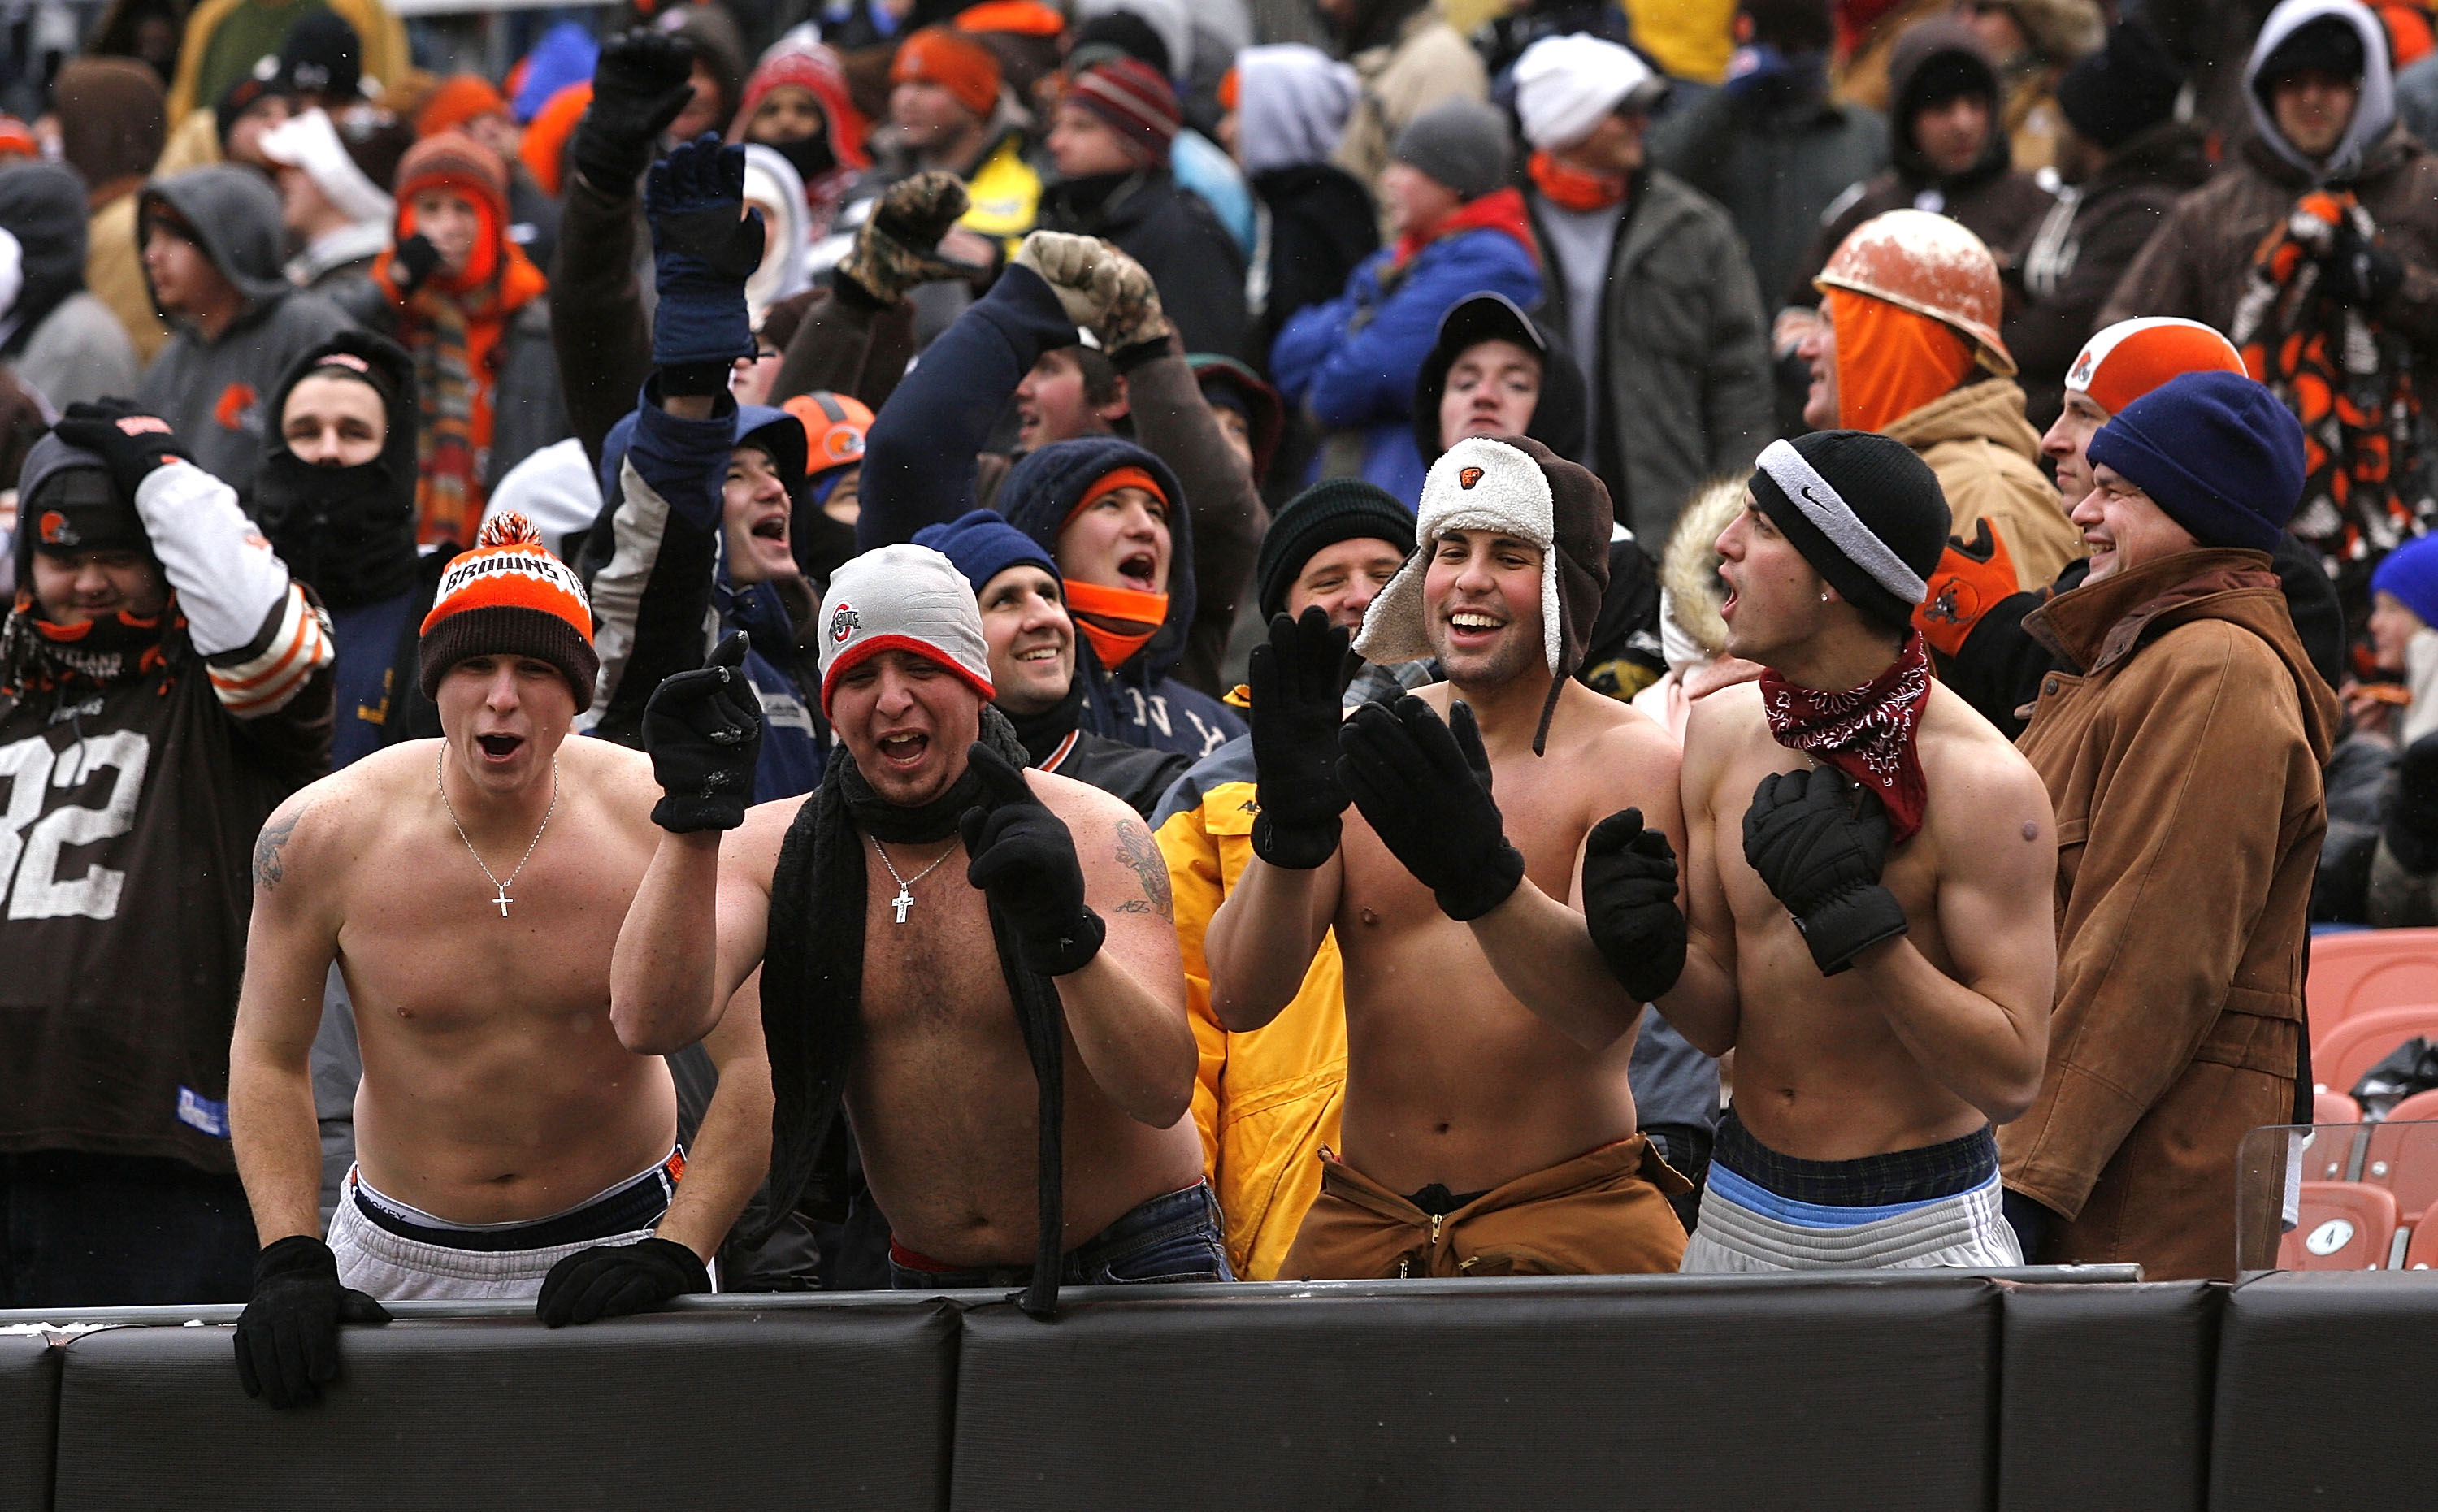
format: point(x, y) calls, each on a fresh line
point(1987, 456)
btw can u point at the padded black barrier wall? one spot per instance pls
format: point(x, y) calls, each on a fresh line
point(2324, 1394)
point(846, 1407)
point(2104, 1396)
point(29, 1397)
point(1685, 1393)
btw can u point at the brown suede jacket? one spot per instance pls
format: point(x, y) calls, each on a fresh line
point(2184, 765)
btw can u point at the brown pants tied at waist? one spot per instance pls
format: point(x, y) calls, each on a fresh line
point(1605, 1213)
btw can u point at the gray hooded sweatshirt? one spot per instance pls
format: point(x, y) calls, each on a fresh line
point(213, 392)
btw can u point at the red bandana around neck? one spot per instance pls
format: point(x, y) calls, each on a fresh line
point(1866, 733)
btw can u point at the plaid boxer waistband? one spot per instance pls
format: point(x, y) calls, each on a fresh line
point(623, 1210)
point(1918, 1175)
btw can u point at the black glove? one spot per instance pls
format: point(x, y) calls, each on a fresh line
point(1425, 787)
point(1023, 855)
point(288, 1337)
point(129, 441)
point(1630, 903)
point(611, 1280)
point(411, 262)
point(1818, 843)
point(704, 244)
point(1295, 715)
point(2358, 271)
point(703, 729)
point(642, 83)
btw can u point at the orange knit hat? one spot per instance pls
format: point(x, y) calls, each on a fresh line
point(460, 98)
point(955, 61)
point(509, 596)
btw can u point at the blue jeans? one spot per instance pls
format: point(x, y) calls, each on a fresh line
point(1178, 1236)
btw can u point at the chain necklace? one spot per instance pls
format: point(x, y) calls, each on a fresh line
point(905, 898)
point(438, 770)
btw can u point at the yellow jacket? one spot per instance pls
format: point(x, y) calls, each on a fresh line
point(1003, 195)
point(1267, 1100)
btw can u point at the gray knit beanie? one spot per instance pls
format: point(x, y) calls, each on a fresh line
point(1462, 142)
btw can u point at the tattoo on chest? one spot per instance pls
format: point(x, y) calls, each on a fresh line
point(1136, 848)
point(268, 868)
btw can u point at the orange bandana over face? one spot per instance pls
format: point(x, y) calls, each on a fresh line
point(1118, 621)
point(1890, 360)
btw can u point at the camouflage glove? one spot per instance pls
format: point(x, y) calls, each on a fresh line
point(1132, 302)
point(1066, 264)
point(898, 248)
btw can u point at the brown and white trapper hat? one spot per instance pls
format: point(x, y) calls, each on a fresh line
point(1516, 486)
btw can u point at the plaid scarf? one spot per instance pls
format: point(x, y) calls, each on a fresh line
point(449, 499)
point(1866, 733)
point(2349, 382)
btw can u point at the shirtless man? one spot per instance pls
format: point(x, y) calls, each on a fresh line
point(1880, 961)
point(469, 889)
point(926, 991)
point(1489, 1126)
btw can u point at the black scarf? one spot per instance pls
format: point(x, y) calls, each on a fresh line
point(1043, 731)
point(812, 983)
point(811, 157)
point(347, 531)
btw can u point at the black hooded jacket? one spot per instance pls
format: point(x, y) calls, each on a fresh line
point(349, 533)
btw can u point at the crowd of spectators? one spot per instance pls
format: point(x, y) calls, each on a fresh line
point(1745, 633)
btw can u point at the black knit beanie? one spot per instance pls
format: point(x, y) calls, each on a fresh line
point(1334, 510)
point(1878, 528)
point(2122, 90)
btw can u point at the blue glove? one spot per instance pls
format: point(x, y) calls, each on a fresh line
point(703, 247)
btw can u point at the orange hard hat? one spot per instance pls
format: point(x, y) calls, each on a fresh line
point(1932, 266)
point(834, 428)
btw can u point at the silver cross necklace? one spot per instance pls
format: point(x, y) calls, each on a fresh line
point(905, 898)
point(438, 771)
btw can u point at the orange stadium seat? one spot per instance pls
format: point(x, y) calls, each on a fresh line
point(2422, 1253)
point(2338, 1120)
point(2402, 1156)
point(2341, 1055)
point(2369, 968)
point(2346, 1225)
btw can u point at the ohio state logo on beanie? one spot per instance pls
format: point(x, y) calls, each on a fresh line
point(903, 598)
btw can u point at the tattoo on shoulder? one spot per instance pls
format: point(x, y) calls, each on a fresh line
point(269, 869)
point(1136, 848)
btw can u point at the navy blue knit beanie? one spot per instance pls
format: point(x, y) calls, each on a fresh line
point(984, 545)
point(2410, 573)
point(2217, 451)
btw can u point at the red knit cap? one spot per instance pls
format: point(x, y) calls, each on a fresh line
point(509, 596)
point(1136, 102)
point(953, 60)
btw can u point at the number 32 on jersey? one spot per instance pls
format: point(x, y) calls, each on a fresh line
point(57, 801)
